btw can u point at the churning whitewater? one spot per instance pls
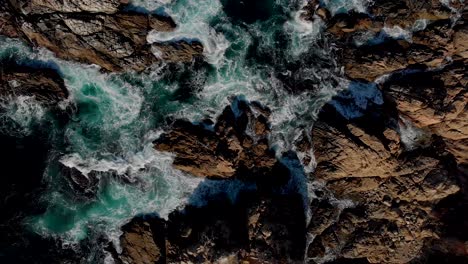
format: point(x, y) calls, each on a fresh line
point(120, 115)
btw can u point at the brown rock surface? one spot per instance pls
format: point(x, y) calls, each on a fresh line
point(437, 101)
point(431, 47)
point(139, 242)
point(402, 13)
point(92, 32)
point(236, 145)
point(387, 195)
point(251, 230)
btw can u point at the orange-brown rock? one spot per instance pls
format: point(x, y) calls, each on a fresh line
point(140, 244)
point(386, 195)
point(436, 101)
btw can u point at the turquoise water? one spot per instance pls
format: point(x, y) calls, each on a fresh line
point(117, 116)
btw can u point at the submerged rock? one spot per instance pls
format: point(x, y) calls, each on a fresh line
point(95, 33)
point(236, 145)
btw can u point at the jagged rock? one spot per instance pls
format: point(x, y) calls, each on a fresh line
point(84, 185)
point(277, 229)
point(250, 230)
point(44, 84)
point(313, 8)
point(370, 62)
point(404, 13)
point(437, 101)
point(366, 57)
point(96, 33)
point(393, 192)
point(343, 25)
point(182, 51)
point(237, 144)
point(429, 48)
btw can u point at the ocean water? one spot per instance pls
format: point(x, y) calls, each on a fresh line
point(265, 54)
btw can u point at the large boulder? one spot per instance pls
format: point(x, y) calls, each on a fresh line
point(139, 241)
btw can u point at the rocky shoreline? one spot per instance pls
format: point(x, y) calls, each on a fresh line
point(389, 185)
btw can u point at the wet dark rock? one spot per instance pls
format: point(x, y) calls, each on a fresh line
point(44, 84)
point(252, 230)
point(83, 184)
point(314, 8)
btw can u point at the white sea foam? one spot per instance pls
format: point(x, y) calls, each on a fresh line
point(341, 6)
point(19, 114)
point(150, 4)
point(192, 19)
point(411, 136)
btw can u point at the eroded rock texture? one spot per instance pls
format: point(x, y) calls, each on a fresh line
point(236, 145)
point(253, 230)
point(94, 32)
point(391, 193)
point(396, 200)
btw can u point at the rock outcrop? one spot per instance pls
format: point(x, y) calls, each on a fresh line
point(387, 194)
point(253, 230)
point(236, 145)
point(369, 52)
point(383, 201)
point(98, 32)
point(44, 84)
point(436, 101)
